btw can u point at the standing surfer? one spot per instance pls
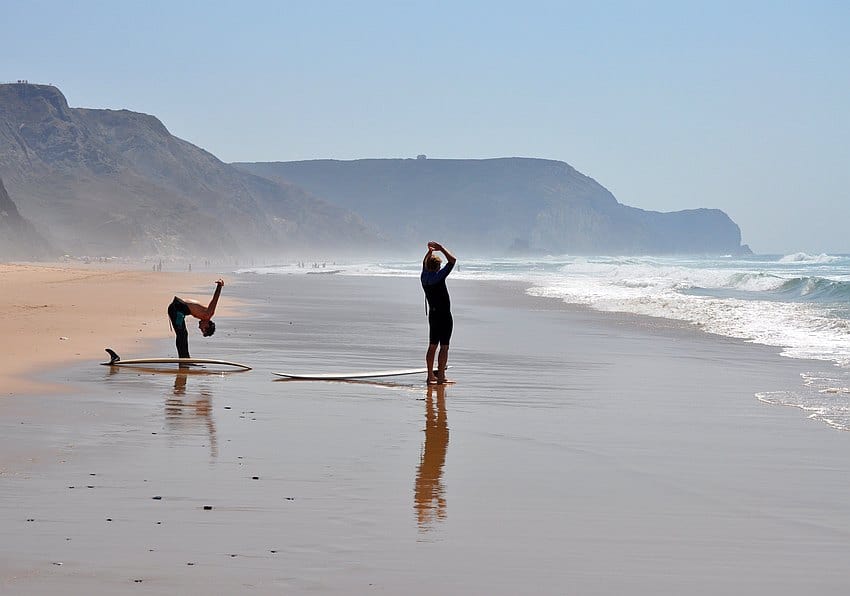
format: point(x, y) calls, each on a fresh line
point(440, 321)
point(179, 308)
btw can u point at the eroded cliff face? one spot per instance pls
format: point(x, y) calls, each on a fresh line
point(19, 239)
point(117, 182)
point(509, 204)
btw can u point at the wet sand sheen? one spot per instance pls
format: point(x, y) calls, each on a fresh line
point(577, 453)
point(56, 313)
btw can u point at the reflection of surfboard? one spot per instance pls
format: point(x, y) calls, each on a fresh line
point(115, 360)
point(353, 375)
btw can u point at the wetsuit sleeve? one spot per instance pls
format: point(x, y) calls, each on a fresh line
point(444, 272)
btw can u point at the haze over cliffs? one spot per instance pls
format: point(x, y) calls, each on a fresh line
point(111, 182)
point(116, 182)
point(496, 205)
point(18, 237)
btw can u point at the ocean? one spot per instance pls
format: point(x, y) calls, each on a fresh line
point(798, 303)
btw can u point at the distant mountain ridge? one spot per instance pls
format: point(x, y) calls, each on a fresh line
point(117, 182)
point(501, 205)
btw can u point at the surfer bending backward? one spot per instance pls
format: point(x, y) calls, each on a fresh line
point(439, 309)
point(179, 308)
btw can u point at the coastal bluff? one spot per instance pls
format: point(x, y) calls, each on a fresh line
point(506, 205)
point(117, 182)
point(19, 239)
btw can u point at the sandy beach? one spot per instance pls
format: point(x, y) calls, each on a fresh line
point(59, 313)
point(577, 452)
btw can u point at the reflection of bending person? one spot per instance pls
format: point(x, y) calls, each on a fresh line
point(429, 491)
point(180, 308)
point(440, 321)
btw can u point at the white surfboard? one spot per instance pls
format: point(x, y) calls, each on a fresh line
point(116, 360)
point(374, 374)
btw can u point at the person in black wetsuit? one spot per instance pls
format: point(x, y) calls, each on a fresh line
point(180, 308)
point(440, 321)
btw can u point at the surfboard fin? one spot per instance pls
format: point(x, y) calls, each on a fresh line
point(113, 357)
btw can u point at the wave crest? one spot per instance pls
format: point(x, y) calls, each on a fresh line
point(801, 257)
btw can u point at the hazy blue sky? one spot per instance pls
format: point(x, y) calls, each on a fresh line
point(743, 106)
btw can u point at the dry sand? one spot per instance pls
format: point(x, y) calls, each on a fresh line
point(51, 314)
point(577, 453)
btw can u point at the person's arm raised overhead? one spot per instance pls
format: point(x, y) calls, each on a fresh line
point(449, 256)
point(211, 307)
point(427, 256)
point(437, 246)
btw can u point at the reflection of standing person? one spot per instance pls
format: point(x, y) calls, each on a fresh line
point(429, 492)
point(440, 321)
point(178, 407)
point(180, 308)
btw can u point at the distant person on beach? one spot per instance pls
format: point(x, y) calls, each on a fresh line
point(440, 321)
point(179, 308)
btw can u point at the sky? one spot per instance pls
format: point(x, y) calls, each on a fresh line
point(742, 106)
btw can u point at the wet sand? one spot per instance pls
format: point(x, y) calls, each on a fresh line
point(577, 453)
point(56, 313)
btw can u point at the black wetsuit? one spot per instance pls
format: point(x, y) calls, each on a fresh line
point(177, 312)
point(440, 320)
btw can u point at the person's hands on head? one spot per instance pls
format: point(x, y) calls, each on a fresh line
point(434, 246)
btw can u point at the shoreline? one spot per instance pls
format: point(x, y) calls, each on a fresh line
point(38, 322)
point(63, 334)
point(570, 439)
point(52, 314)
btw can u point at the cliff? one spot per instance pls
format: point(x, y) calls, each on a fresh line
point(117, 182)
point(503, 205)
point(19, 239)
